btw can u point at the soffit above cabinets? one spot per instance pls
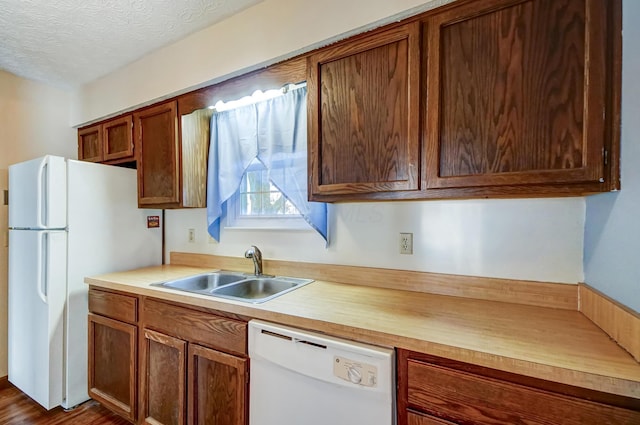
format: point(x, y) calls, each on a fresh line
point(67, 43)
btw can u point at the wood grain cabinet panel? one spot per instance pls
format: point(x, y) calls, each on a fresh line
point(157, 146)
point(163, 379)
point(197, 326)
point(440, 391)
point(117, 136)
point(113, 364)
point(109, 142)
point(115, 306)
point(218, 387)
point(363, 101)
point(420, 419)
point(90, 143)
point(186, 380)
point(516, 94)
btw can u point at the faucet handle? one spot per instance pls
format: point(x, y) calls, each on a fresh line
point(253, 252)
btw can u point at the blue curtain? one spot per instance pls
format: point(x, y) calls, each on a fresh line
point(275, 132)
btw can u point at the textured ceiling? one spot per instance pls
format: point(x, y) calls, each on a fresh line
point(67, 43)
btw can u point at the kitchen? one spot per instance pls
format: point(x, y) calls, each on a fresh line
point(566, 240)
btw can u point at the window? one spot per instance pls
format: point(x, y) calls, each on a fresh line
point(272, 131)
point(259, 204)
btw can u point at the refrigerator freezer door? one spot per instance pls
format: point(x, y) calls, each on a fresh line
point(38, 194)
point(37, 286)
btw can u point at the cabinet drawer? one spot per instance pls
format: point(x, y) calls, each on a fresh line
point(196, 326)
point(115, 306)
point(464, 397)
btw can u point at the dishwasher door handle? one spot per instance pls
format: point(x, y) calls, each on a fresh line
point(313, 344)
point(295, 340)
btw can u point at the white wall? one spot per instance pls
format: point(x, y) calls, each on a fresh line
point(530, 239)
point(34, 120)
point(612, 231)
point(273, 29)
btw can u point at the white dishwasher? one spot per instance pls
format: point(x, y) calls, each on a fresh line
point(302, 378)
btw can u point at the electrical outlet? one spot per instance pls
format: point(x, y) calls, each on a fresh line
point(192, 235)
point(406, 243)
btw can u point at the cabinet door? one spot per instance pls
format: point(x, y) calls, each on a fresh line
point(516, 93)
point(156, 135)
point(117, 137)
point(217, 388)
point(112, 364)
point(163, 379)
point(363, 102)
point(90, 143)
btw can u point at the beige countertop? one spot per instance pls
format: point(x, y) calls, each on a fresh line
point(547, 343)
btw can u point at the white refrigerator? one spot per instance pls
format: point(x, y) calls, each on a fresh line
point(67, 220)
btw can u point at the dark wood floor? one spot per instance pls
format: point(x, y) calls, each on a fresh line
point(16, 408)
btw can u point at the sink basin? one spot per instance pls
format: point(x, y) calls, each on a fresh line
point(236, 286)
point(205, 282)
point(257, 290)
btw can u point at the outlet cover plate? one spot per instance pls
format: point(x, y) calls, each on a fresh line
point(406, 243)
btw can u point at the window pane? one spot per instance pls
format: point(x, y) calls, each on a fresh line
point(260, 197)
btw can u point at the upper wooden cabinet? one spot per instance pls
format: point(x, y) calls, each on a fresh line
point(510, 98)
point(157, 146)
point(117, 138)
point(90, 143)
point(172, 156)
point(484, 98)
point(110, 142)
point(516, 94)
point(363, 114)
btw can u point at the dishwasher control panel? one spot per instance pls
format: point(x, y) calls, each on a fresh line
point(355, 372)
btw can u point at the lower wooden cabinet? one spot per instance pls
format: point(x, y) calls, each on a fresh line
point(213, 382)
point(439, 391)
point(112, 364)
point(193, 366)
point(217, 387)
point(163, 379)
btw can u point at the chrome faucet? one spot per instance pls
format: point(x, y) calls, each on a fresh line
point(255, 254)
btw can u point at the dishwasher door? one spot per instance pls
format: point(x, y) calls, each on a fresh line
point(299, 377)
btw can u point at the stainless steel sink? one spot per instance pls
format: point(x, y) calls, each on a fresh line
point(205, 282)
point(258, 290)
point(236, 286)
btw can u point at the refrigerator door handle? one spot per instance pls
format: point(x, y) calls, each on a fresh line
point(41, 266)
point(41, 194)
